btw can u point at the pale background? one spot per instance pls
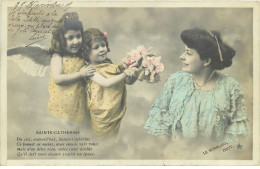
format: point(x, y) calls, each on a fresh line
point(127, 28)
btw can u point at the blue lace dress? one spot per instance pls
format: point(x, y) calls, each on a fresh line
point(218, 114)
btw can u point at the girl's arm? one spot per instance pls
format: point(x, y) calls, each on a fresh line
point(107, 82)
point(65, 79)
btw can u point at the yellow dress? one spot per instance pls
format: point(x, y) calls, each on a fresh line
point(107, 106)
point(68, 101)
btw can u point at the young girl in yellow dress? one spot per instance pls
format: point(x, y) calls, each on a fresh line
point(105, 90)
point(67, 86)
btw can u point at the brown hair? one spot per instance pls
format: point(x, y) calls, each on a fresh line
point(208, 45)
point(88, 37)
point(69, 21)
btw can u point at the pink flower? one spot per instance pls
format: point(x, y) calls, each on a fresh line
point(132, 59)
point(127, 61)
point(143, 51)
point(159, 68)
point(135, 59)
point(140, 49)
point(136, 56)
point(155, 60)
point(152, 76)
point(148, 65)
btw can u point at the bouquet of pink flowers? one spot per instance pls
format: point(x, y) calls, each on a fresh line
point(147, 63)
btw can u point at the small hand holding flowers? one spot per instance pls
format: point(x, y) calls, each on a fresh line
point(146, 63)
point(130, 71)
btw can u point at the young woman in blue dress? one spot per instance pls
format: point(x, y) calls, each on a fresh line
point(199, 101)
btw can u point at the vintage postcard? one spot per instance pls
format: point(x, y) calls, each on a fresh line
point(129, 82)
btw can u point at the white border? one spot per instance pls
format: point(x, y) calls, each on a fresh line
point(158, 4)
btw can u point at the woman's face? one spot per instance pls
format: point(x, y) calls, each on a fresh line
point(191, 62)
point(98, 52)
point(73, 41)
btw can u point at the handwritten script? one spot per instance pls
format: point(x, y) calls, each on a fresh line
point(35, 19)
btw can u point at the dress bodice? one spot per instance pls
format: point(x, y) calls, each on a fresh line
point(219, 113)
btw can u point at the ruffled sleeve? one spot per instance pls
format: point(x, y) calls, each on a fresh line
point(238, 118)
point(159, 118)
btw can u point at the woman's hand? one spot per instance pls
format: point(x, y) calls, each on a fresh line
point(87, 71)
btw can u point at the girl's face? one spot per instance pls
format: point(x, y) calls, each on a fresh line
point(73, 41)
point(98, 52)
point(191, 62)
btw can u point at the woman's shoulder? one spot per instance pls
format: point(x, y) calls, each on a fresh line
point(178, 79)
point(180, 75)
point(228, 80)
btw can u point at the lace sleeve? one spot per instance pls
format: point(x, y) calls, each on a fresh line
point(159, 118)
point(238, 119)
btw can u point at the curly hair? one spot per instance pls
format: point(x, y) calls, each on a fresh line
point(69, 21)
point(207, 45)
point(88, 37)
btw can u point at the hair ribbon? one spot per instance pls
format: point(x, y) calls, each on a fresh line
point(219, 51)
